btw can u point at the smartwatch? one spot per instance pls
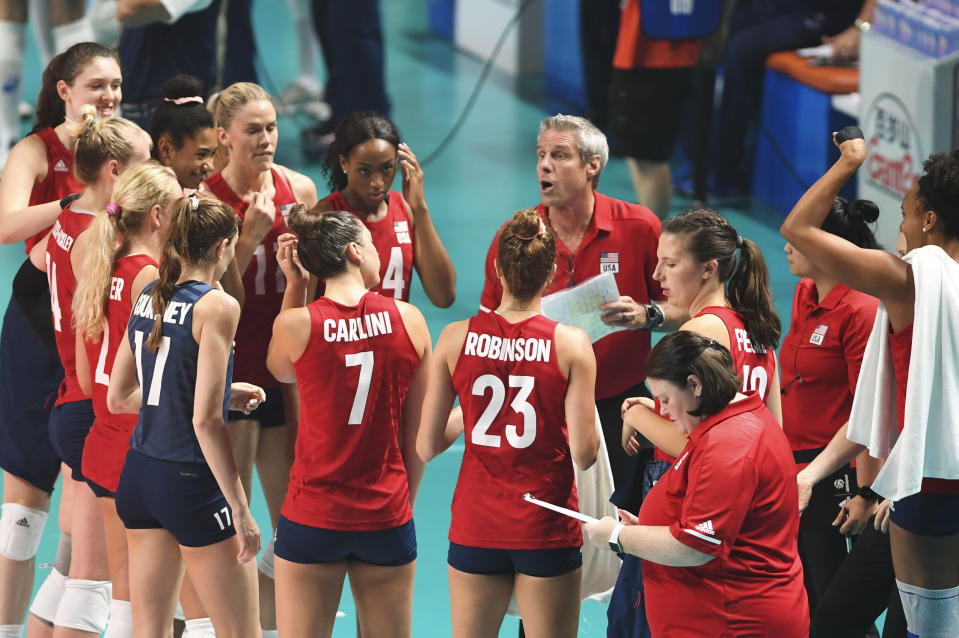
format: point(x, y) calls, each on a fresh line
point(654, 316)
point(866, 492)
point(614, 543)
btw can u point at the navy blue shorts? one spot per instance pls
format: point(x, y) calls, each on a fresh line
point(29, 378)
point(269, 414)
point(69, 425)
point(311, 545)
point(543, 563)
point(182, 498)
point(98, 490)
point(927, 514)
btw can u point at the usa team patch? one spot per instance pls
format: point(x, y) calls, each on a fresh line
point(402, 230)
point(609, 262)
point(818, 335)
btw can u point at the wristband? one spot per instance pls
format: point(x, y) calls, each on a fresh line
point(69, 199)
point(849, 133)
point(866, 492)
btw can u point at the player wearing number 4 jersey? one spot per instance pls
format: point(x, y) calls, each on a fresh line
point(359, 362)
point(361, 165)
point(180, 493)
point(526, 387)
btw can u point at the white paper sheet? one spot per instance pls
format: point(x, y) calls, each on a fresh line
point(579, 306)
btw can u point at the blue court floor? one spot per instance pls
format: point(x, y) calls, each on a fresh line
point(486, 173)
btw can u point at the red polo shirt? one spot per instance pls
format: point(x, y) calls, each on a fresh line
point(820, 359)
point(731, 494)
point(621, 238)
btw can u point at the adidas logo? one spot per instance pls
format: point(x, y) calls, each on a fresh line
point(23, 522)
point(61, 167)
point(706, 528)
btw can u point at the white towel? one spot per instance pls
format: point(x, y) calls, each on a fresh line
point(929, 443)
point(593, 489)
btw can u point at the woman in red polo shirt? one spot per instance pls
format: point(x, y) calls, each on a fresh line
point(717, 533)
point(820, 359)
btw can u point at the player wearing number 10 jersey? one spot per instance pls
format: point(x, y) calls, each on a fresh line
point(526, 385)
point(357, 359)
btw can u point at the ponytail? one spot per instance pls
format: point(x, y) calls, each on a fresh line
point(749, 294)
point(197, 226)
point(99, 141)
point(707, 235)
point(135, 192)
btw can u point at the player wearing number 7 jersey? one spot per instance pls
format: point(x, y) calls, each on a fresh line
point(361, 165)
point(180, 493)
point(359, 360)
point(526, 387)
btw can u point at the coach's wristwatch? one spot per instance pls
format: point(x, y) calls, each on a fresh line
point(654, 316)
point(614, 543)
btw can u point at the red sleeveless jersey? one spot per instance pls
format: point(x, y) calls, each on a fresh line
point(263, 282)
point(59, 181)
point(393, 239)
point(348, 473)
point(63, 283)
point(513, 397)
point(754, 365)
point(109, 439)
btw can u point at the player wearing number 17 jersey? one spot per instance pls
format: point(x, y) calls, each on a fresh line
point(357, 359)
point(526, 385)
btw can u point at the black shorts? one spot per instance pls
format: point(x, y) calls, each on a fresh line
point(69, 425)
point(182, 498)
point(29, 378)
point(309, 545)
point(269, 414)
point(927, 514)
point(828, 495)
point(542, 563)
point(646, 106)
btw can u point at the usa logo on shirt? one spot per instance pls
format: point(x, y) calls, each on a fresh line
point(818, 335)
point(285, 211)
point(609, 262)
point(402, 230)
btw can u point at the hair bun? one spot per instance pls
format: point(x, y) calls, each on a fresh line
point(864, 209)
point(182, 85)
point(527, 225)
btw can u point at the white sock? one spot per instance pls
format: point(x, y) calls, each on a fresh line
point(66, 35)
point(39, 12)
point(308, 47)
point(199, 628)
point(120, 624)
point(11, 65)
point(270, 633)
point(11, 631)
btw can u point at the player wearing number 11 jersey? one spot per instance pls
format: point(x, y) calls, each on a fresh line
point(357, 359)
point(526, 385)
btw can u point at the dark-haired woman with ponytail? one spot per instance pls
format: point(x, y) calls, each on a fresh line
point(360, 166)
point(911, 355)
point(183, 131)
point(179, 494)
point(526, 387)
point(359, 361)
point(706, 266)
point(717, 533)
point(820, 358)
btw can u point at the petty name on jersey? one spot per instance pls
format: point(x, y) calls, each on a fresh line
point(501, 349)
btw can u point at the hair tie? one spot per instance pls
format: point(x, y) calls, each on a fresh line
point(184, 100)
point(88, 129)
point(712, 343)
point(539, 233)
point(113, 209)
point(739, 241)
point(194, 203)
point(157, 317)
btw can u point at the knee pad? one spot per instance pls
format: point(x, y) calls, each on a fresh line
point(85, 605)
point(48, 597)
point(930, 613)
point(265, 562)
point(21, 529)
point(199, 628)
point(121, 620)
